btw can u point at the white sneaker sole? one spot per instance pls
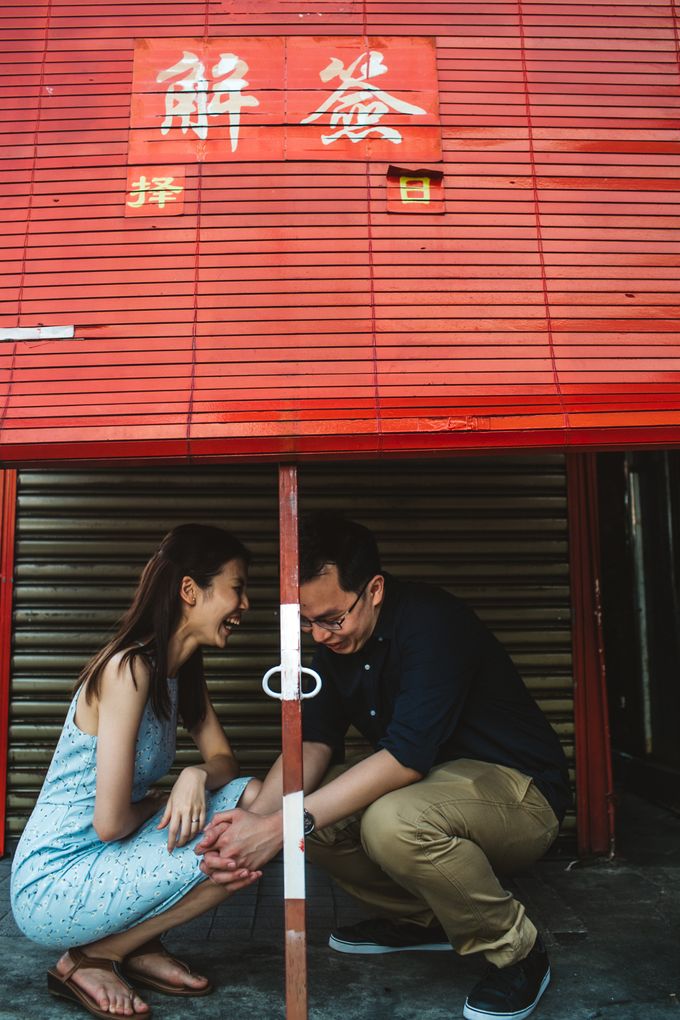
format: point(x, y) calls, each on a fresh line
point(470, 1013)
point(372, 948)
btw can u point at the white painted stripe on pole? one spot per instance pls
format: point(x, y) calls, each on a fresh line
point(38, 333)
point(290, 651)
point(293, 846)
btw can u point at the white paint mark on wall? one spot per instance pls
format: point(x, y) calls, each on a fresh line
point(38, 333)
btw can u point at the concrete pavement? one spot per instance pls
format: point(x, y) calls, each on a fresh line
point(612, 930)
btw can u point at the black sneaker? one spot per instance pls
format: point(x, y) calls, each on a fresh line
point(381, 936)
point(510, 993)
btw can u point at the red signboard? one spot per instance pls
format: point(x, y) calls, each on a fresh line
point(415, 191)
point(155, 191)
point(244, 99)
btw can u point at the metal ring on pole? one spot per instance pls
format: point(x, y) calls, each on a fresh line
point(303, 694)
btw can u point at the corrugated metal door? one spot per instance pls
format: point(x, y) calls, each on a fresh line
point(493, 530)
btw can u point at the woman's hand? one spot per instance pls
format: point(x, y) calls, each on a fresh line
point(237, 839)
point(185, 812)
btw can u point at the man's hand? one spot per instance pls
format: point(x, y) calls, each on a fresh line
point(215, 827)
point(238, 840)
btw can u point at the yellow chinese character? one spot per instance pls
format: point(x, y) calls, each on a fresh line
point(139, 189)
point(414, 189)
point(163, 191)
point(158, 191)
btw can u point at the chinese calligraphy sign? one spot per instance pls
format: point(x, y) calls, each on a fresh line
point(358, 104)
point(152, 191)
point(325, 97)
point(415, 191)
point(187, 95)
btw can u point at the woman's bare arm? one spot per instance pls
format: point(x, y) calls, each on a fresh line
point(185, 812)
point(119, 709)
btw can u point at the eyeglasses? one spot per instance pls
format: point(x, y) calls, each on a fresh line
point(332, 625)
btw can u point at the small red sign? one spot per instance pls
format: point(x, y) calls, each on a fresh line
point(415, 191)
point(155, 191)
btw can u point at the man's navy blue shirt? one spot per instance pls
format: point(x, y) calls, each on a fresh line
point(433, 684)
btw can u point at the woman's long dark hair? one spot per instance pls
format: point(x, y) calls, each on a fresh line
point(199, 551)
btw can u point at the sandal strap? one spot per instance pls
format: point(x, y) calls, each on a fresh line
point(81, 961)
point(155, 946)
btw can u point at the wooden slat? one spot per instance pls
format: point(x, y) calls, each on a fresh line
point(555, 265)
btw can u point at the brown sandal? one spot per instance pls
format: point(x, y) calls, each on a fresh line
point(63, 986)
point(156, 984)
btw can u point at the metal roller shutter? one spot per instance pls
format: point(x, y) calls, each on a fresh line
point(493, 530)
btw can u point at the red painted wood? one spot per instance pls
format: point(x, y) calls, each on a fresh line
point(287, 305)
point(594, 783)
point(291, 743)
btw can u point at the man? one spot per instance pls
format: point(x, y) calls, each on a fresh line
point(467, 779)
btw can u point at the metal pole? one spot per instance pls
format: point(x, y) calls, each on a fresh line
point(290, 696)
point(637, 530)
point(291, 723)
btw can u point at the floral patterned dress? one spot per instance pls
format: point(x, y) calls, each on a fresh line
point(68, 887)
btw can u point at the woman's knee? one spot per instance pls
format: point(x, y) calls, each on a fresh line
point(250, 794)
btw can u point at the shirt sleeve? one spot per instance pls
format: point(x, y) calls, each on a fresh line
point(440, 646)
point(324, 718)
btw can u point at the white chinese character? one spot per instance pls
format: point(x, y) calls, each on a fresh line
point(226, 97)
point(192, 98)
point(358, 104)
point(187, 98)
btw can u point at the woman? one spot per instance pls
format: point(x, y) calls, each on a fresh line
point(105, 866)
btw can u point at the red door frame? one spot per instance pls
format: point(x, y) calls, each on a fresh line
point(8, 501)
point(595, 817)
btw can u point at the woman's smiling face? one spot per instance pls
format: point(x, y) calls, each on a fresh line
point(219, 608)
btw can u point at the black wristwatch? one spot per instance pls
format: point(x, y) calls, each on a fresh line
point(309, 823)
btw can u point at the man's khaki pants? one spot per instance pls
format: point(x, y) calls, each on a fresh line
point(434, 849)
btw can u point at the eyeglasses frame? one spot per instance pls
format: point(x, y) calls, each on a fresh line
point(333, 626)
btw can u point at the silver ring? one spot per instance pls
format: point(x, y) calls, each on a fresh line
point(195, 820)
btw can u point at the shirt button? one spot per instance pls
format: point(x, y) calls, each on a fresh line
point(367, 666)
point(372, 712)
point(379, 639)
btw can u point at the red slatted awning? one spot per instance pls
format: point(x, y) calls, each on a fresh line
point(283, 310)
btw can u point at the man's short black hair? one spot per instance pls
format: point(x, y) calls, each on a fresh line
point(327, 537)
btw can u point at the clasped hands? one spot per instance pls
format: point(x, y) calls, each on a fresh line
point(238, 843)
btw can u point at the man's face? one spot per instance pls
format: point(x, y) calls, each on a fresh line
point(323, 599)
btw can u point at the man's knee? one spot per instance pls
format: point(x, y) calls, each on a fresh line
point(394, 829)
point(386, 833)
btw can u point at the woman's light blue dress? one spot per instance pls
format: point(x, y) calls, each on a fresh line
point(68, 887)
